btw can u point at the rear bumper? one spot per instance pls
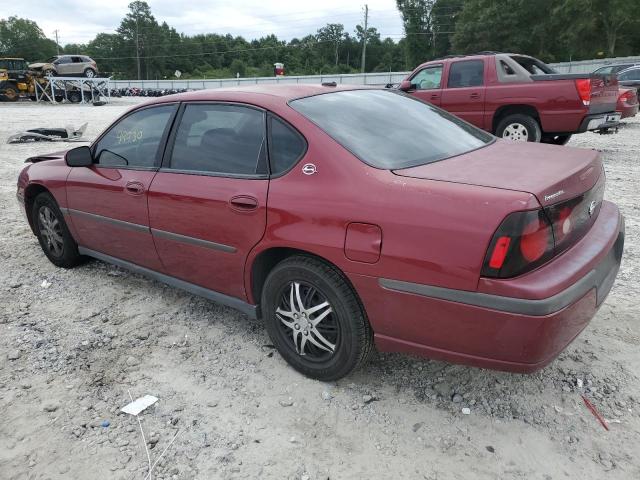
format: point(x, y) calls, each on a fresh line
point(496, 331)
point(600, 121)
point(629, 110)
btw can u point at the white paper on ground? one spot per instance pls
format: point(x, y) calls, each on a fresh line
point(138, 405)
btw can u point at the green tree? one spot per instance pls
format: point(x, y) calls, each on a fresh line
point(416, 18)
point(333, 33)
point(21, 37)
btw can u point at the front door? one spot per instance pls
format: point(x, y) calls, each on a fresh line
point(427, 84)
point(464, 93)
point(208, 204)
point(108, 201)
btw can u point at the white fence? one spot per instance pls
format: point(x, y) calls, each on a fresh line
point(585, 66)
point(352, 79)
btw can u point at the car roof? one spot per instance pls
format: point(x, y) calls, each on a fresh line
point(284, 93)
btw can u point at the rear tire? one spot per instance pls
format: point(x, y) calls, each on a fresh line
point(556, 139)
point(519, 127)
point(52, 232)
point(340, 341)
point(89, 73)
point(75, 97)
point(10, 93)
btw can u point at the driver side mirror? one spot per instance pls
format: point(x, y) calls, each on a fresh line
point(406, 85)
point(79, 157)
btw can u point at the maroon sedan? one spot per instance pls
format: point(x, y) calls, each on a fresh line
point(344, 218)
point(627, 102)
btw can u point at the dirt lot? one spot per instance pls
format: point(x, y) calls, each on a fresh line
point(73, 344)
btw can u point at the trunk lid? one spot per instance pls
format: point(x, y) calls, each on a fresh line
point(553, 174)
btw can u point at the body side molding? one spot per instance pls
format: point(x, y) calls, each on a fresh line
point(250, 310)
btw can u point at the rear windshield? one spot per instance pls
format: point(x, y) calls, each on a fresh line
point(389, 129)
point(533, 66)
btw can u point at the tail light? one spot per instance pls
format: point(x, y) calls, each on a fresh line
point(523, 241)
point(628, 96)
point(583, 85)
point(526, 240)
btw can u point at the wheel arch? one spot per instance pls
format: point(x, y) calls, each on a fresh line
point(513, 109)
point(31, 191)
point(263, 262)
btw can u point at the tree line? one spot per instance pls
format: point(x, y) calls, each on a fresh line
point(551, 30)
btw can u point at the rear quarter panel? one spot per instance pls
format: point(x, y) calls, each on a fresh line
point(557, 102)
point(433, 232)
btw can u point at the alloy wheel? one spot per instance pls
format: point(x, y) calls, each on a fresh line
point(307, 320)
point(51, 231)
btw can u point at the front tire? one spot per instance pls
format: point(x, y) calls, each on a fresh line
point(10, 93)
point(519, 127)
point(52, 232)
point(315, 319)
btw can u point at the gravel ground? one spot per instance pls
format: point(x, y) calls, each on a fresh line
point(74, 344)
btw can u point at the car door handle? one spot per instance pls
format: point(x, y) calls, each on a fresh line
point(243, 203)
point(475, 95)
point(134, 188)
point(435, 96)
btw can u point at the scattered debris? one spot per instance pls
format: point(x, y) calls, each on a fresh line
point(466, 411)
point(67, 134)
point(140, 404)
point(490, 449)
point(595, 412)
point(105, 423)
point(45, 284)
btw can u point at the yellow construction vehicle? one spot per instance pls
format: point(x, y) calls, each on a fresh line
point(15, 79)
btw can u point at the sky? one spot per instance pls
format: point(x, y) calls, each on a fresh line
point(78, 21)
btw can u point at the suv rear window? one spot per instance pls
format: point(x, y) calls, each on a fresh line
point(390, 130)
point(533, 66)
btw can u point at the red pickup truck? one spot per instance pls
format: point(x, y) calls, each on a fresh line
point(517, 97)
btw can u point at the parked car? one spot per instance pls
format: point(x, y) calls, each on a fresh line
point(613, 68)
point(630, 77)
point(517, 97)
point(343, 217)
point(627, 102)
point(67, 66)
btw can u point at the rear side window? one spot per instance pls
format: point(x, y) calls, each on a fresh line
point(135, 140)
point(286, 146)
point(469, 73)
point(221, 139)
point(630, 75)
point(389, 129)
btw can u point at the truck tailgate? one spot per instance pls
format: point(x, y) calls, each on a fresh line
point(602, 90)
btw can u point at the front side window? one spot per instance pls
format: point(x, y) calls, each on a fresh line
point(428, 78)
point(469, 73)
point(390, 130)
point(286, 146)
point(135, 140)
point(221, 139)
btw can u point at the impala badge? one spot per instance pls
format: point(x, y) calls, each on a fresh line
point(309, 169)
point(553, 195)
point(592, 207)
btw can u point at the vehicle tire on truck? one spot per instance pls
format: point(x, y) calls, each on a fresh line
point(519, 127)
point(9, 92)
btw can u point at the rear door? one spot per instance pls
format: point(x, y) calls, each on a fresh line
point(108, 201)
point(427, 84)
point(64, 66)
point(464, 92)
point(208, 203)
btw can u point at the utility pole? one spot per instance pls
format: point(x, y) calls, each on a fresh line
point(364, 38)
point(137, 46)
point(57, 44)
